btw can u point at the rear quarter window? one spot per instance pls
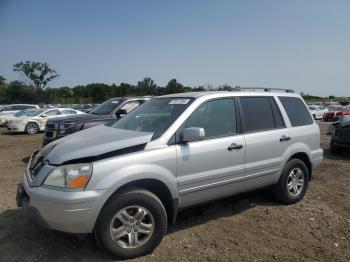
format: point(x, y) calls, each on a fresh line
point(259, 114)
point(296, 110)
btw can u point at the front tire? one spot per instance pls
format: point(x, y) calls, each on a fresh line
point(132, 224)
point(32, 128)
point(293, 183)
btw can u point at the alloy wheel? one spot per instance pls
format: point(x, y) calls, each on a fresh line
point(32, 129)
point(132, 227)
point(295, 181)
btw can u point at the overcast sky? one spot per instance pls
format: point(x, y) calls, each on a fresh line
point(302, 45)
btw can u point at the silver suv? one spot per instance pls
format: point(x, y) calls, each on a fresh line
point(126, 183)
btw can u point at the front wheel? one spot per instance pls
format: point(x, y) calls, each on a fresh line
point(132, 224)
point(32, 128)
point(293, 183)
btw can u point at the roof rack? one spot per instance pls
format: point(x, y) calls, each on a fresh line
point(266, 89)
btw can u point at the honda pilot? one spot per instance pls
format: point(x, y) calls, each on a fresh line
point(126, 182)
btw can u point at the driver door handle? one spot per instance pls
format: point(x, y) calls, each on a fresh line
point(284, 138)
point(234, 146)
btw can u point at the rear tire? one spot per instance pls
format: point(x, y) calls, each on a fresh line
point(293, 183)
point(32, 128)
point(124, 243)
point(333, 148)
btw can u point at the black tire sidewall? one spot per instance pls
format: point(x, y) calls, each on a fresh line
point(281, 190)
point(132, 197)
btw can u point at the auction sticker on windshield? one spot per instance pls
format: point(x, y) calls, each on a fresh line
point(179, 101)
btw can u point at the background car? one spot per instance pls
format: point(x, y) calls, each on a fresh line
point(6, 117)
point(11, 109)
point(317, 111)
point(336, 113)
point(106, 113)
point(340, 136)
point(35, 122)
point(83, 107)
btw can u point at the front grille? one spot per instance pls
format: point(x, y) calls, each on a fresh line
point(50, 130)
point(50, 126)
point(49, 133)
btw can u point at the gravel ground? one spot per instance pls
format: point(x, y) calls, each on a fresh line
point(249, 227)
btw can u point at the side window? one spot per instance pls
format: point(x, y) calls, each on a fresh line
point(279, 123)
point(296, 110)
point(129, 106)
point(68, 112)
point(7, 108)
point(18, 107)
point(217, 118)
point(258, 114)
point(52, 113)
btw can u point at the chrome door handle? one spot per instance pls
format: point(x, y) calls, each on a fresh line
point(234, 146)
point(284, 138)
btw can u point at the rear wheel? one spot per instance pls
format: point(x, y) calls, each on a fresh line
point(293, 183)
point(32, 128)
point(132, 224)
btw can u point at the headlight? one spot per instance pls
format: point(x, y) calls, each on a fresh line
point(70, 176)
point(67, 126)
point(64, 127)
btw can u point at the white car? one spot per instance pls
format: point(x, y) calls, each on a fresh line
point(12, 109)
point(36, 121)
point(317, 111)
point(7, 117)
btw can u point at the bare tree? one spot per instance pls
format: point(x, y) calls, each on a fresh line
point(39, 74)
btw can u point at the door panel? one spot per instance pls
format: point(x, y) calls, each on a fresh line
point(266, 140)
point(208, 170)
point(263, 158)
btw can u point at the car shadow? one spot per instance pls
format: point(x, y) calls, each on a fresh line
point(26, 159)
point(22, 241)
point(344, 155)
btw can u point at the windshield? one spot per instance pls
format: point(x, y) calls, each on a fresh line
point(20, 113)
point(106, 108)
point(34, 113)
point(154, 116)
point(312, 108)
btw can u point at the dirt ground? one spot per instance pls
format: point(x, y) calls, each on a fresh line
point(250, 227)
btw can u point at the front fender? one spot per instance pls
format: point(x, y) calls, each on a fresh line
point(123, 176)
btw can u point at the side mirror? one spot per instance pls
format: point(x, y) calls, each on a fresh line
point(121, 112)
point(43, 115)
point(192, 134)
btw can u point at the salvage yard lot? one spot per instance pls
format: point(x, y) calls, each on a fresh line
point(249, 227)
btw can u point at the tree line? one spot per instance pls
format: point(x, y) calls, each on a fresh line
point(37, 76)
point(20, 92)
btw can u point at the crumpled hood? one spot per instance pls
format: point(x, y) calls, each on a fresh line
point(92, 142)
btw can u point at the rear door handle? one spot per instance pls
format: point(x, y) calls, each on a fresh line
point(234, 146)
point(284, 138)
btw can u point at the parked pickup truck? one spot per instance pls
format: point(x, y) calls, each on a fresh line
point(106, 113)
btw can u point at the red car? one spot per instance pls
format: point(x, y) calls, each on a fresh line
point(336, 113)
